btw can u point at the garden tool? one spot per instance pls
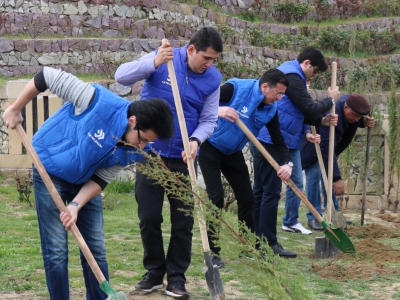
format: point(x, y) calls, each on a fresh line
point(104, 285)
point(365, 171)
point(336, 235)
point(213, 277)
point(325, 248)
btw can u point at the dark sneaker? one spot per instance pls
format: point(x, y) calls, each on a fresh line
point(149, 283)
point(315, 225)
point(217, 262)
point(278, 249)
point(177, 290)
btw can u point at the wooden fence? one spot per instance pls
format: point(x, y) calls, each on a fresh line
point(34, 114)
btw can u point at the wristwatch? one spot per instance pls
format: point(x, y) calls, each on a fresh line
point(195, 139)
point(290, 164)
point(74, 203)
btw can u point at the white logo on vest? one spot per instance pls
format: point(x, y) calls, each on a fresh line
point(168, 82)
point(99, 134)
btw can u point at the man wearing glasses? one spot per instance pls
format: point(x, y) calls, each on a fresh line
point(254, 103)
point(296, 108)
point(351, 110)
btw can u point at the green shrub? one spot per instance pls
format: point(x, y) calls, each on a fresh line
point(332, 38)
point(287, 11)
point(324, 10)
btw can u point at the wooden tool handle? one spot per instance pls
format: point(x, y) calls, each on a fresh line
point(320, 160)
point(60, 204)
point(331, 153)
point(185, 139)
point(275, 165)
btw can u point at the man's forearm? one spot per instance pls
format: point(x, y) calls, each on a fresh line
point(139, 69)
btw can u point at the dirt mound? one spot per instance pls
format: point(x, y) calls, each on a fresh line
point(374, 231)
point(371, 257)
point(351, 271)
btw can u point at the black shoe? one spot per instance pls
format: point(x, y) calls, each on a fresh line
point(149, 283)
point(315, 225)
point(177, 290)
point(278, 249)
point(217, 262)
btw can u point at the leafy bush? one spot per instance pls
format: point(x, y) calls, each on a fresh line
point(287, 11)
point(332, 38)
point(372, 42)
point(348, 8)
point(324, 10)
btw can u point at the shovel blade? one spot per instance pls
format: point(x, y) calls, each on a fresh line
point(213, 279)
point(338, 238)
point(324, 248)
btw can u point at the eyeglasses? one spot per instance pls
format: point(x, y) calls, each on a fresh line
point(140, 140)
point(278, 95)
point(315, 69)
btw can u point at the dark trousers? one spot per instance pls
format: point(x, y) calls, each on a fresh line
point(150, 198)
point(212, 162)
point(267, 192)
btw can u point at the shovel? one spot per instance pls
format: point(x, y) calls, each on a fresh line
point(323, 247)
point(336, 235)
point(104, 285)
point(213, 277)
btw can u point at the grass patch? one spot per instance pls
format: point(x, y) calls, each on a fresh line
point(21, 267)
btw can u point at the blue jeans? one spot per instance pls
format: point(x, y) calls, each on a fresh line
point(267, 193)
point(334, 199)
point(54, 238)
point(292, 202)
point(313, 190)
point(313, 181)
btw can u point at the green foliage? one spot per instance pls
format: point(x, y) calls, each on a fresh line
point(324, 10)
point(333, 38)
point(239, 70)
point(348, 8)
point(287, 11)
point(24, 188)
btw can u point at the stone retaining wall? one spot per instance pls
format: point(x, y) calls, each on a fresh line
point(137, 19)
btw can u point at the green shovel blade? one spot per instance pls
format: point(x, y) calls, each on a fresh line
point(112, 295)
point(338, 238)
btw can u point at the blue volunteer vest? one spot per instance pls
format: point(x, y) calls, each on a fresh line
point(73, 147)
point(193, 89)
point(290, 117)
point(228, 137)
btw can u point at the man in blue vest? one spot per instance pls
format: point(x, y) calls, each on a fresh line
point(296, 108)
point(352, 111)
point(83, 146)
point(199, 85)
point(254, 102)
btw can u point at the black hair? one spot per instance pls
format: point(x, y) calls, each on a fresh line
point(273, 77)
point(154, 114)
point(207, 37)
point(315, 56)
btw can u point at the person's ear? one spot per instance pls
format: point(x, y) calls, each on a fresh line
point(191, 49)
point(132, 121)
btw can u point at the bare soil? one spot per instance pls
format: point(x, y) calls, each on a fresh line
point(371, 256)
